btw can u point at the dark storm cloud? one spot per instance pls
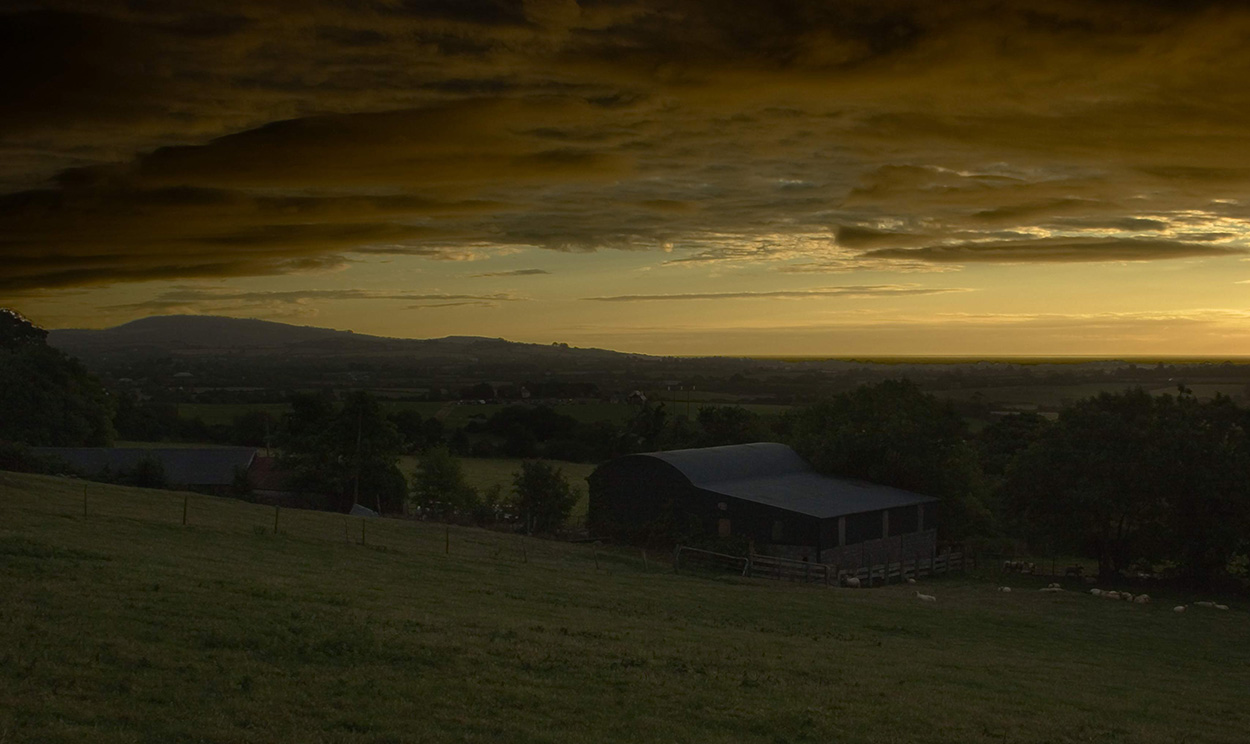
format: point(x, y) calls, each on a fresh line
point(1059, 250)
point(141, 142)
point(516, 272)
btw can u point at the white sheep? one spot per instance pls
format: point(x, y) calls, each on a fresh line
point(925, 597)
point(1111, 595)
point(1051, 589)
point(1178, 608)
point(1096, 592)
point(1204, 604)
point(1221, 607)
point(911, 581)
point(1003, 589)
point(1052, 585)
point(1126, 596)
point(852, 582)
point(1142, 599)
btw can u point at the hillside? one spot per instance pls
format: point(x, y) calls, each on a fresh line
point(200, 334)
point(122, 625)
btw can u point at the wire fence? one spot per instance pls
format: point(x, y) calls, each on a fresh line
point(109, 504)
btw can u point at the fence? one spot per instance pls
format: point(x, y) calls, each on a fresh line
point(764, 566)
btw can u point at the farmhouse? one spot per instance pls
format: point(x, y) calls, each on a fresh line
point(763, 492)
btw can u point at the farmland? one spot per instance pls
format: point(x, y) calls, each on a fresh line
point(123, 625)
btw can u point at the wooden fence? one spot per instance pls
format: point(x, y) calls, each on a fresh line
point(770, 567)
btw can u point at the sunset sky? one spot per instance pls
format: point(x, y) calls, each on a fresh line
point(814, 177)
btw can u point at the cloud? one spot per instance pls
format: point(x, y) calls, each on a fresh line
point(140, 142)
point(515, 272)
point(1058, 250)
point(200, 299)
point(880, 290)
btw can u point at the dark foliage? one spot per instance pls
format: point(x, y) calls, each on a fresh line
point(47, 398)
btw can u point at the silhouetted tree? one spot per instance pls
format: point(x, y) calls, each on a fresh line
point(543, 497)
point(439, 489)
point(892, 433)
point(46, 397)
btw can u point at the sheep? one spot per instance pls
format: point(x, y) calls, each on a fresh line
point(1052, 585)
point(1096, 592)
point(1003, 589)
point(1178, 608)
point(1051, 589)
point(1142, 599)
point(1126, 596)
point(911, 581)
point(925, 597)
point(852, 582)
point(1111, 595)
point(1204, 604)
point(1221, 607)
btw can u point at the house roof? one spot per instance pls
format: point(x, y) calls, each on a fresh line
point(207, 466)
point(773, 474)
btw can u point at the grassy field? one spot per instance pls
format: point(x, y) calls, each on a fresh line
point(1054, 396)
point(484, 472)
point(456, 415)
point(125, 626)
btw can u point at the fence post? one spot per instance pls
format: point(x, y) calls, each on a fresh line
point(645, 566)
point(677, 559)
point(525, 556)
point(595, 549)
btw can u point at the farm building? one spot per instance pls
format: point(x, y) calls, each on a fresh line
point(763, 492)
point(204, 469)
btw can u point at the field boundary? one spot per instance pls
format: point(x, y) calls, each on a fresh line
point(756, 565)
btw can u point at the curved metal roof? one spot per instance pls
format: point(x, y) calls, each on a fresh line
point(773, 474)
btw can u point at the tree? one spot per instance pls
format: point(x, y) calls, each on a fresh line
point(47, 398)
point(893, 434)
point(17, 332)
point(439, 489)
point(544, 498)
point(728, 425)
point(1133, 477)
point(349, 454)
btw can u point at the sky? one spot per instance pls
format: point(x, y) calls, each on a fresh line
point(793, 177)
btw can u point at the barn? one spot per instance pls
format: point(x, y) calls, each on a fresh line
point(765, 493)
point(205, 469)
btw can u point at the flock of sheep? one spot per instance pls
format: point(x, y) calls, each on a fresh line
point(854, 583)
point(1105, 594)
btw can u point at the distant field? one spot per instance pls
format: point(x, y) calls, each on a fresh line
point(456, 415)
point(1058, 395)
point(483, 472)
point(124, 626)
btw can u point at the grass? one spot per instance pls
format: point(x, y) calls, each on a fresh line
point(125, 626)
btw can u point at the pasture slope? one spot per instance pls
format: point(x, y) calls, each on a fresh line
point(123, 625)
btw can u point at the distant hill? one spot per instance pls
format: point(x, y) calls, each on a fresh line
point(198, 335)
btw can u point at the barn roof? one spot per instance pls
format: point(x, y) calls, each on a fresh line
point(207, 466)
point(773, 474)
